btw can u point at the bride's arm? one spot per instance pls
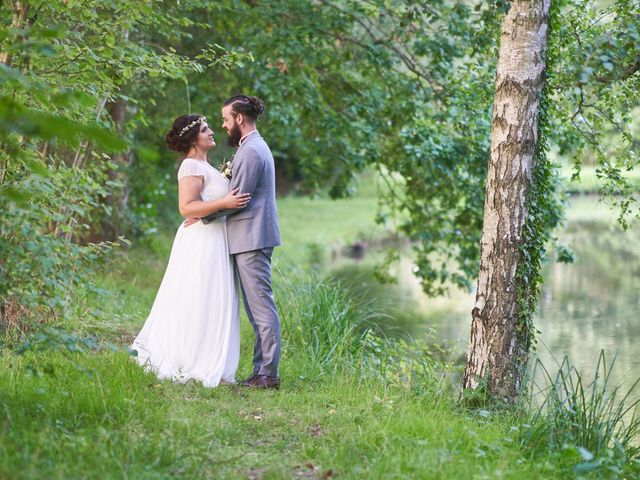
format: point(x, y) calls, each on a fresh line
point(190, 205)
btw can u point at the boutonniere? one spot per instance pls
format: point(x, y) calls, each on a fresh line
point(226, 167)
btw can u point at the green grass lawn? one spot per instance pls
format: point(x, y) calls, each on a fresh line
point(96, 414)
point(315, 229)
point(100, 416)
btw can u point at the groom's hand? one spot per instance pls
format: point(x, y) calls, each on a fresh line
point(190, 221)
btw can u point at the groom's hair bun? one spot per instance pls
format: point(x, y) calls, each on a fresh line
point(182, 143)
point(248, 106)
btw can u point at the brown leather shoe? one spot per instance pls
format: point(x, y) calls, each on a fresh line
point(261, 381)
point(249, 379)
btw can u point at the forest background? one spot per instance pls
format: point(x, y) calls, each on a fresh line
point(403, 89)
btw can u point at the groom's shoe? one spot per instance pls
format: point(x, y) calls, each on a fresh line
point(250, 378)
point(261, 381)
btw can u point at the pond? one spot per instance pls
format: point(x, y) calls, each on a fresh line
point(585, 307)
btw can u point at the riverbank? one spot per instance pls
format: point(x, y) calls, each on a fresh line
point(352, 405)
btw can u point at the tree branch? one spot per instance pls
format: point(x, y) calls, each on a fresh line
point(408, 60)
point(59, 67)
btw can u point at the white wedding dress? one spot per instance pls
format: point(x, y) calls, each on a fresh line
point(193, 330)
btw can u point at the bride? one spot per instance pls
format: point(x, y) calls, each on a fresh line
point(193, 329)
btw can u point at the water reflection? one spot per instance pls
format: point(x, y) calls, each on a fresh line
point(593, 304)
point(584, 307)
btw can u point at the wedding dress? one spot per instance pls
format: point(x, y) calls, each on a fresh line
point(193, 330)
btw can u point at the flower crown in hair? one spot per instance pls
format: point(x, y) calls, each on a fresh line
point(188, 127)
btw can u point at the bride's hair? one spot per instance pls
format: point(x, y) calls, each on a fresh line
point(183, 134)
point(250, 107)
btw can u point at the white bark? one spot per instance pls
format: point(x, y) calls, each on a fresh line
point(497, 351)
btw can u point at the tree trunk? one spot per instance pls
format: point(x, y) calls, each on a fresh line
point(20, 13)
point(500, 340)
point(119, 198)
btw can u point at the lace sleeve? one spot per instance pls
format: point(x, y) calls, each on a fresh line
point(190, 168)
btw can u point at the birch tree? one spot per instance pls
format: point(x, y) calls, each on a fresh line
point(500, 339)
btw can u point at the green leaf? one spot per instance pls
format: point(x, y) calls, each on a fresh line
point(38, 167)
point(15, 195)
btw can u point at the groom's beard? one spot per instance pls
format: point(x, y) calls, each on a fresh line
point(234, 136)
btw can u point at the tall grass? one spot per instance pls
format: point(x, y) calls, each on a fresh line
point(594, 419)
point(320, 322)
point(326, 331)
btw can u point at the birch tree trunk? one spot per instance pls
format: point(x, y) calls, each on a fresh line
point(500, 342)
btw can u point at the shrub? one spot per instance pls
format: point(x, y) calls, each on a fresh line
point(42, 260)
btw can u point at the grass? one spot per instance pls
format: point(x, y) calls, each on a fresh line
point(368, 408)
point(594, 417)
point(316, 229)
point(353, 404)
point(109, 420)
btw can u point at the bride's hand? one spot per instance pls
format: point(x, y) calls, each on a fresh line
point(233, 199)
point(190, 221)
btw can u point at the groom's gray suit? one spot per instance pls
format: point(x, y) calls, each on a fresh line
point(252, 233)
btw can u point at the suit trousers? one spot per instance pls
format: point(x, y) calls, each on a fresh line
point(254, 272)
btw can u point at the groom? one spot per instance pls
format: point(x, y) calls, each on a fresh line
point(253, 232)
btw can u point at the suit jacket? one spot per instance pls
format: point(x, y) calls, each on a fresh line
point(253, 171)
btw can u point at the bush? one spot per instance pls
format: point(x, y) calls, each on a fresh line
point(42, 257)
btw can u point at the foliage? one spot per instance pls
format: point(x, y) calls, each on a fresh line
point(66, 69)
point(406, 89)
point(49, 338)
point(595, 95)
point(593, 422)
point(402, 87)
point(41, 266)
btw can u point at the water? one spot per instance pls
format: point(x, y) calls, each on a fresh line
point(585, 307)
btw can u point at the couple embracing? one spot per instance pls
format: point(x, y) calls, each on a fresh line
point(231, 228)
